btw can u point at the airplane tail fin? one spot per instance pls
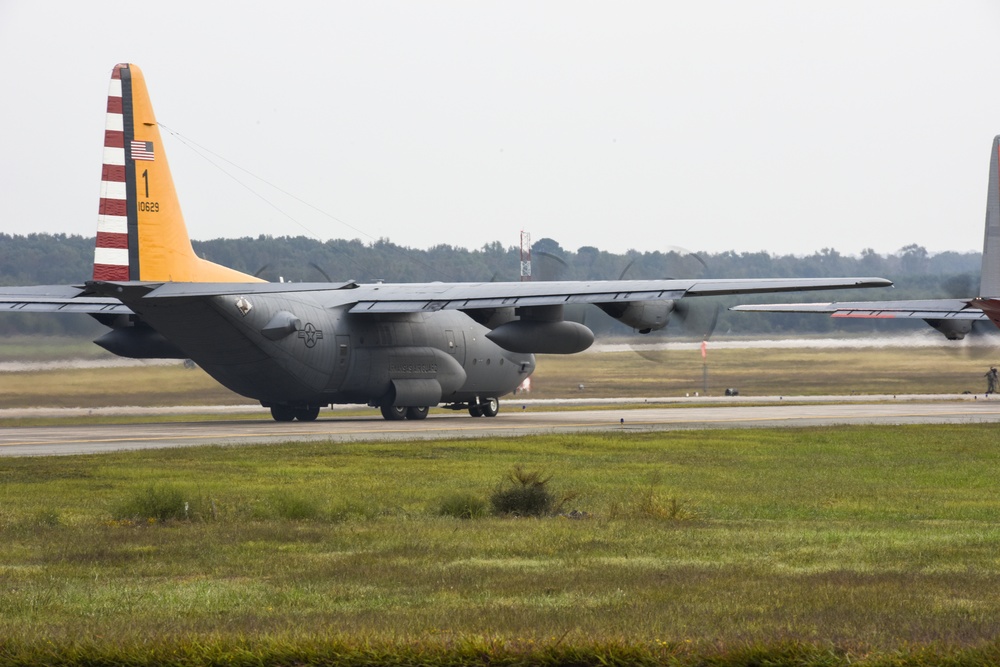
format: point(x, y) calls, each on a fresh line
point(989, 285)
point(141, 233)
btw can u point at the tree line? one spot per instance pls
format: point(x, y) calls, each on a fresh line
point(65, 259)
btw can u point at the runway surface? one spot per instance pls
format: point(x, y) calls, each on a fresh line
point(512, 421)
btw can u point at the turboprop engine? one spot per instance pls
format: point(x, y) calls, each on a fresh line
point(534, 337)
point(645, 316)
point(542, 330)
point(952, 329)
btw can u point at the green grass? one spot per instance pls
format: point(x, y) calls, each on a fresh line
point(808, 545)
point(50, 348)
point(98, 387)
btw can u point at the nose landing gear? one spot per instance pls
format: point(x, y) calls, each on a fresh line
point(488, 407)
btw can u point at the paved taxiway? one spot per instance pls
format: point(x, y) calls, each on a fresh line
point(512, 421)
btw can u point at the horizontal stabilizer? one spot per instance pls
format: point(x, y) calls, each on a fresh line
point(58, 299)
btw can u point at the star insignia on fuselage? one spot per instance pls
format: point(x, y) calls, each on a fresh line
point(310, 334)
point(243, 306)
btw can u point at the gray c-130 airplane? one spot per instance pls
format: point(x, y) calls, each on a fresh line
point(402, 348)
point(952, 317)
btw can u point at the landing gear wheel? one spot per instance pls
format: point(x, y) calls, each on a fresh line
point(393, 413)
point(476, 410)
point(490, 407)
point(282, 413)
point(417, 412)
point(307, 414)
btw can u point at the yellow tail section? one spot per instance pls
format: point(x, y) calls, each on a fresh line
point(141, 233)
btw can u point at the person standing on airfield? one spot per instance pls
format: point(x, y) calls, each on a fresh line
point(992, 380)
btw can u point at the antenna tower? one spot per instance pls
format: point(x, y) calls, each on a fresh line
point(525, 256)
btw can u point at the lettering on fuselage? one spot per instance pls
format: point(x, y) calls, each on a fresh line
point(412, 368)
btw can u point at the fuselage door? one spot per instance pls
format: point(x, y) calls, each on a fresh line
point(456, 346)
point(343, 353)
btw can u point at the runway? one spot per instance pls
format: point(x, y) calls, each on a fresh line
point(514, 420)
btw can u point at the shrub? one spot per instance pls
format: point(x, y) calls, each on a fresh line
point(652, 505)
point(462, 506)
point(525, 493)
point(294, 507)
point(159, 503)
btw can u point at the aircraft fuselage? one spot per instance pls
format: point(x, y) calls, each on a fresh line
point(294, 349)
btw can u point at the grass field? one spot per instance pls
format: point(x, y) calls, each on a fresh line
point(820, 546)
point(807, 546)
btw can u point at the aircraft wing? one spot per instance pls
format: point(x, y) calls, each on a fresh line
point(97, 296)
point(430, 297)
point(923, 309)
point(58, 299)
point(469, 296)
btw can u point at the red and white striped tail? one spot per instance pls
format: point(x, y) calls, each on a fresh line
point(141, 234)
point(111, 254)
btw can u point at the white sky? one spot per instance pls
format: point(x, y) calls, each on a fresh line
point(783, 126)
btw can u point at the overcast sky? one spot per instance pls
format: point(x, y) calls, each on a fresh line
point(782, 126)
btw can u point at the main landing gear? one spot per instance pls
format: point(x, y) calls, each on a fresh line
point(286, 413)
point(483, 407)
point(396, 413)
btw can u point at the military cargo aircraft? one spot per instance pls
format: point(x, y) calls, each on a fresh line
point(952, 317)
point(402, 348)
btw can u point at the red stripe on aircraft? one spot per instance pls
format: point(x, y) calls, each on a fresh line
point(865, 316)
point(112, 240)
point(113, 207)
point(990, 308)
point(116, 73)
point(114, 105)
point(114, 139)
point(113, 172)
point(110, 272)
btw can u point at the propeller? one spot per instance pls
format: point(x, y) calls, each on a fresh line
point(323, 273)
point(549, 266)
point(691, 320)
point(313, 265)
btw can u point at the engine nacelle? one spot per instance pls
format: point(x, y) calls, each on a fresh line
point(645, 316)
point(534, 337)
point(952, 329)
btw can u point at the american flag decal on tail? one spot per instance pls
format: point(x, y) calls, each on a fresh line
point(141, 150)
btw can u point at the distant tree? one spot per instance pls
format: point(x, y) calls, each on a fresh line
point(870, 261)
point(547, 245)
point(913, 259)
